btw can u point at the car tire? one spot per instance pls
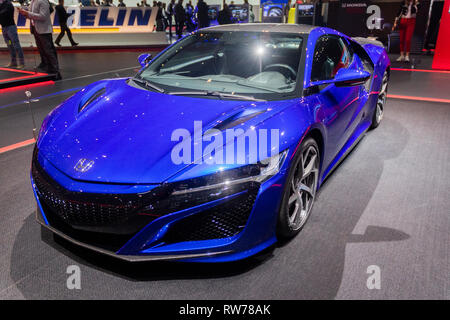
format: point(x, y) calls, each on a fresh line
point(299, 190)
point(378, 112)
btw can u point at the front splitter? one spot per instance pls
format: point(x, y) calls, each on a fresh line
point(128, 258)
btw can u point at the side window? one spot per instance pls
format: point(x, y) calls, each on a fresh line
point(362, 54)
point(347, 57)
point(330, 55)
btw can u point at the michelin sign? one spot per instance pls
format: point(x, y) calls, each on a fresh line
point(112, 19)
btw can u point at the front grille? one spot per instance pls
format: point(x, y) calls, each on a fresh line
point(222, 221)
point(108, 241)
point(101, 219)
point(76, 208)
point(95, 212)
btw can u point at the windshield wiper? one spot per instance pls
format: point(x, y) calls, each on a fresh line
point(238, 82)
point(148, 84)
point(214, 94)
point(248, 85)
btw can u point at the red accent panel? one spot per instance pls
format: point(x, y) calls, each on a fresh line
point(18, 71)
point(442, 53)
point(97, 49)
point(17, 145)
point(396, 96)
point(27, 86)
point(420, 70)
point(30, 74)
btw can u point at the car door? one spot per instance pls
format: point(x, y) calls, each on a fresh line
point(339, 104)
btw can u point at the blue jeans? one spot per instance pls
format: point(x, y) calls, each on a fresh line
point(12, 41)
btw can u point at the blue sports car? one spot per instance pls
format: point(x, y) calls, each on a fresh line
point(215, 149)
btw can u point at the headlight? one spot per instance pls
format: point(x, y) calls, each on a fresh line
point(258, 172)
point(193, 192)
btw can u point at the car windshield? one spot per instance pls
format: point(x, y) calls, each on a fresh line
point(252, 65)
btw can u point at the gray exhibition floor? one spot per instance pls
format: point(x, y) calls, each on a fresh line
point(387, 205)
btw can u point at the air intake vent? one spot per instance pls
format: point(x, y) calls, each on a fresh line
point(222, 221)
point(91, 99)
point(237, 119)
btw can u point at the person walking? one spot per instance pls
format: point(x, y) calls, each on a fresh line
point(406, 22)
point(9, 31)
point(62, 18)
point(180, 18)
point(41, 28)
point(202, 14)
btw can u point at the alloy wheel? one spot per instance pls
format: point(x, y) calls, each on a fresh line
point(381, 99)
point(303, 188)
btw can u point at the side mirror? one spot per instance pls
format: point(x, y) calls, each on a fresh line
point(144, 59)
point(350, 77)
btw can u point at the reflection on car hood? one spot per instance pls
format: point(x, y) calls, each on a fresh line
point(126, 133)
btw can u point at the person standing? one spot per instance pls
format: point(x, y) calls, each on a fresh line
point(406, 21)
point(9, 30)
point(250, 14)
point(190, 24)
point(159, 17)
point(62, 18)
point(164, 14)
point(202, 14)
point(286, 10)
point(180, 18)
point(224, 16)
point(41, 28)
point(170, 14)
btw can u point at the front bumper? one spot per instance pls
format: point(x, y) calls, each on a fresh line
point(148, 243)
point(128, 258)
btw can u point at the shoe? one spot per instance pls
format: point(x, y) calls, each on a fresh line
point(20, 66)
point(407, 59)
point(401, 58)
point(42, 69)
point(11, 65)
point(58, 77)
point(74, 44)
point(58, 44)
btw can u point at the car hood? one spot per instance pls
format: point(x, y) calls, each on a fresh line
point(124, 135)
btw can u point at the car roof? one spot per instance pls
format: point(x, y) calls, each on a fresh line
point(263, 27)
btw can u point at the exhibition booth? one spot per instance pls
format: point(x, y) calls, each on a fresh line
point(95, 28)
point(110, 27)
point(103, 27)
point(132, 26)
